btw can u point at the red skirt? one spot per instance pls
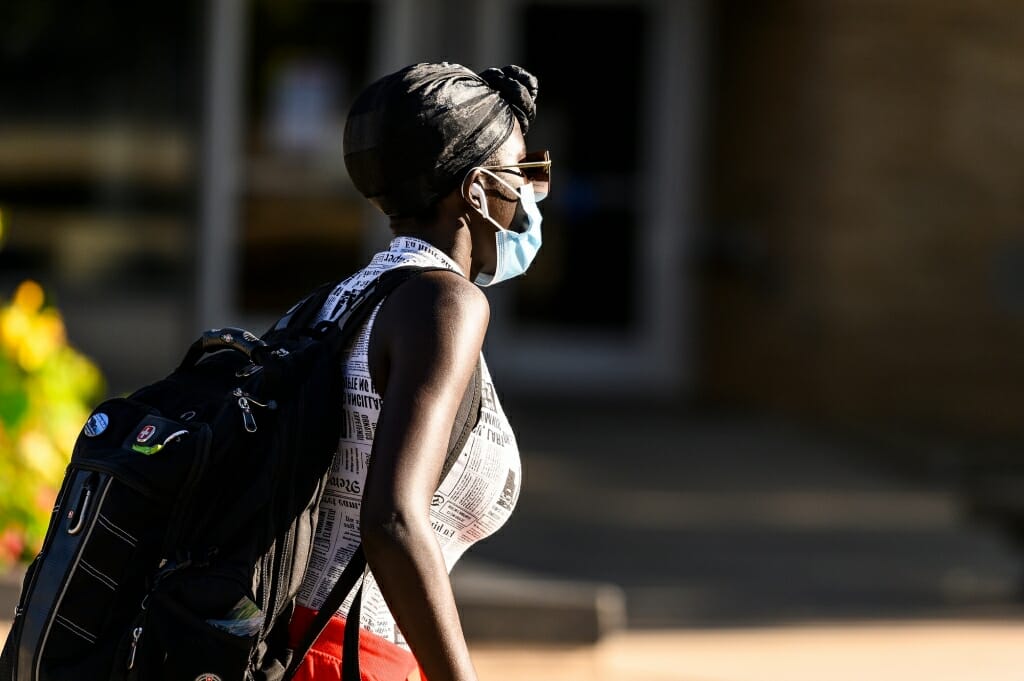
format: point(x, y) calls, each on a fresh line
point(379, 659)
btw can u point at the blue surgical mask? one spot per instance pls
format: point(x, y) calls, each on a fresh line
point(518, 246)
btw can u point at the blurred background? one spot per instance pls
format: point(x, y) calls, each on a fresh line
point(768, 365)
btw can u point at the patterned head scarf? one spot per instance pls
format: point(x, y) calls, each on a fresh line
point(411, 136)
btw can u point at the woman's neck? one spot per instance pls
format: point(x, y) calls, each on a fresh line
point(456, 244)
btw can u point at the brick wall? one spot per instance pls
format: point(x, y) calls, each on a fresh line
point(865, 245)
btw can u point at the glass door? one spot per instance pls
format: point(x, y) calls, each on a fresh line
point(605, 308)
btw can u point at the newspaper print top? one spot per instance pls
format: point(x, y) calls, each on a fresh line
point(473, 501)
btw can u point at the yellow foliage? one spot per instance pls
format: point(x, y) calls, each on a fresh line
point(14, 327)
point(29, 297)
point(29, 333)
point(47, 390)
point(41, 455)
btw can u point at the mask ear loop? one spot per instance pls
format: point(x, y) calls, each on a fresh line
point(467, 183)
point(476, 195)
point(476, 191)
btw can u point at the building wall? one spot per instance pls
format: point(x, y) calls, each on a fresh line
point(865, 251)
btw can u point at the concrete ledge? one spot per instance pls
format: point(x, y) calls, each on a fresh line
point(497, 604)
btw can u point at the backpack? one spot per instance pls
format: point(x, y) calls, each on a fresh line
point(185, 520)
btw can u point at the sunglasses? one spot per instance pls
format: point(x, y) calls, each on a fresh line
point(535, 168)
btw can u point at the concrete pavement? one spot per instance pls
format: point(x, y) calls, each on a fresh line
point(969, 650)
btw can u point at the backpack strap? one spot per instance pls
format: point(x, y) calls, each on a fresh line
point(303, 312)
point(465, 420)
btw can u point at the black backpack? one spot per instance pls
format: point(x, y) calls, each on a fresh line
point(184, 524)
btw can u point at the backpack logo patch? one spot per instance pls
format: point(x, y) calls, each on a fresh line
point(145, 434)
point(96, 424)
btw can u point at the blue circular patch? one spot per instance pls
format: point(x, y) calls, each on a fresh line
point(96, 424)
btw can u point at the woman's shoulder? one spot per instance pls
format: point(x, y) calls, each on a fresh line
point(436, 300)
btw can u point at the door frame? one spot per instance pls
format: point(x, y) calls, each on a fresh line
point(657, 356)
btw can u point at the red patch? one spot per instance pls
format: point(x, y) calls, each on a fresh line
point(145, 434)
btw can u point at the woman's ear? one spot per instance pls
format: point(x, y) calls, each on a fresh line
point(473, 191)
point(477, 196)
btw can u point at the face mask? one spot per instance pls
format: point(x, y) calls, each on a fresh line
point(516, 247)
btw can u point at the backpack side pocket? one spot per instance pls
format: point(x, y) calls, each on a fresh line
point(189, 637)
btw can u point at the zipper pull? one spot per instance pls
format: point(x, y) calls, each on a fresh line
point(136, 635)
point(75, 526)
point(269, 404)
point(247, 418)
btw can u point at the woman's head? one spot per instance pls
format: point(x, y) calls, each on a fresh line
point(412, 135)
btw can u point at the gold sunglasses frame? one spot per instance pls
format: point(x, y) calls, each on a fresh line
point(546, 164)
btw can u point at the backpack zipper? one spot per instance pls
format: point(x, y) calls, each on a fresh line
point(266, 567)
point(176, 518)
point(283, 568)
point(245, 403)
point(77, 515)
point(136, 635)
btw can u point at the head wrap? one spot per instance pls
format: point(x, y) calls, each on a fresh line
point(411, 136)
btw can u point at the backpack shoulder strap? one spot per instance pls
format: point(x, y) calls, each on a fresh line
point(465, 420)
point(303, 312)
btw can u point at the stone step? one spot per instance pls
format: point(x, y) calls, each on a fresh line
point(499, 604)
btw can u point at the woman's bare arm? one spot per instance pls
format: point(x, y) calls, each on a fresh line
point(425, 345)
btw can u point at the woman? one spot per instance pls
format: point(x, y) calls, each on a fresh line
point(441, 151)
